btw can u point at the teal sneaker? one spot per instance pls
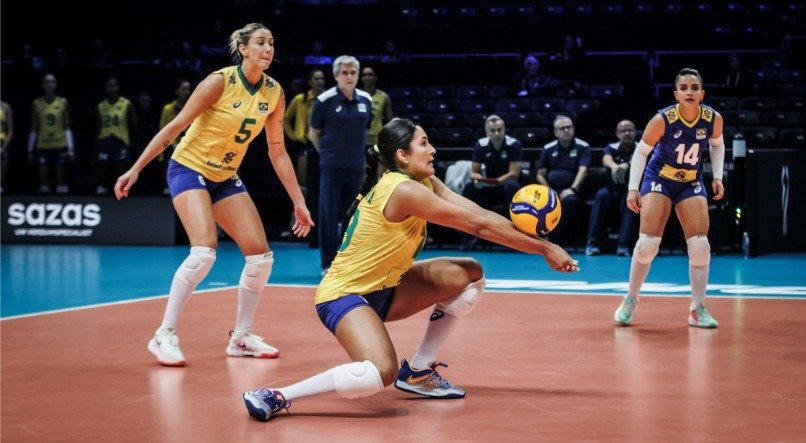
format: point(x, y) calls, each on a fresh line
point(701, 318)
point(624, 312)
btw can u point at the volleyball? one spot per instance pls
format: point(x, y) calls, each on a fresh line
point(535, 210)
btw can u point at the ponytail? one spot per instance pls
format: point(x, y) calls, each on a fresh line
point(370, 179)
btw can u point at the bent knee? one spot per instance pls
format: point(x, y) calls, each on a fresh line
point(388, 369)
point(646, 248)
point(699, 251)
point(471, 268)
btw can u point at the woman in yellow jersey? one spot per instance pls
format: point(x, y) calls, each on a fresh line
point(298, 120)
point(375, 277)
point(227, 110)
point(115, 123)
point(51, 136)
point(169, 111)
point(296, 124)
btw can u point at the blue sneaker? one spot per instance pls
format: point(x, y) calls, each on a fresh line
point(427, 382)
point(592, 250)
point(623, 251)
point(263, 403)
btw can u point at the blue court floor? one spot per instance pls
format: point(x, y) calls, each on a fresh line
point(46, 278)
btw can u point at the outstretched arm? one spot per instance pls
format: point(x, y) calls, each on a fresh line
point(207, 93)
point(284, 169)
point(446, 208)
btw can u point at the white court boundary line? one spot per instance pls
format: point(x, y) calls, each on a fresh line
point(496, 290)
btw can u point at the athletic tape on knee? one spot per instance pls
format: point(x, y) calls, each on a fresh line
point(256, 271)
point(358, 379)
point(646, 248)
point(196, 265)
point(699, 251)
point(463, 304)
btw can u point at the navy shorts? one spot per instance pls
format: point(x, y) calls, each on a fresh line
point(52, 157)
point(113, 149)
point(676, 191)
point(331, 312)
point(181, 179)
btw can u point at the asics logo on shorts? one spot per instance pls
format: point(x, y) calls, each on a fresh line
point(201, 180)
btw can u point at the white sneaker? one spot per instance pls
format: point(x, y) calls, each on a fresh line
point(247, 344)
point(701, 318)
point(165, 346)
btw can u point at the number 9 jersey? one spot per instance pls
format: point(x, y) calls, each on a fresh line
point(216, 141)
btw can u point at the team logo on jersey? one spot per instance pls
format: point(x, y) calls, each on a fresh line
point(236, 105)
point(263, 108)
point(678, 133)
point(671, 115)
point(229, 157)
point(338, 108)
point(701, 133)
point(707, 114)
point(232, 80)
point(362, 107)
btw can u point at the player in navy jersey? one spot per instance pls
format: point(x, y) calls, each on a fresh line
point(669, 157)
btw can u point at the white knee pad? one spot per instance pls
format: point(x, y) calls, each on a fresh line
point(256, 271)
point(196, 265)
point(358, 379)
point(463, 304)
point(699, 251)
point(646, 248)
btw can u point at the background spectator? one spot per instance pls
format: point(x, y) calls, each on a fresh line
point(562, 166)
point(616, 159)
point(494, 172)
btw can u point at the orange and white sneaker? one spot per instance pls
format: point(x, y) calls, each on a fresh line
point(165, 346)
point(701, 318)
point(246, 344)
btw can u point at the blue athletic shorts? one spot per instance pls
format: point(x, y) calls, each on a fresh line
point(676, 191)
point(331, 312)
point(181, 179)
point(51, 157)
point(113, 149)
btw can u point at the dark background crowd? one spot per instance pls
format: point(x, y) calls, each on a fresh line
point(598, 62)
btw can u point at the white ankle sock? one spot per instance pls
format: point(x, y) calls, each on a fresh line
point(439, 328)
point(699, 280)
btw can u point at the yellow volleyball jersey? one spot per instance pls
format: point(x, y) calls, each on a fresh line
point(169, 112)
point(375, 253)
point(51, 123)
point(3, 124)
point(114, 120)
point(378, 103)
point(300, 109)
point(216, 141)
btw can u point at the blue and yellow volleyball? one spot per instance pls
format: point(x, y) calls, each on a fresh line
point(535, 210)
